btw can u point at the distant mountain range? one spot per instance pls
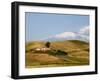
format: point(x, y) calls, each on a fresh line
point(68, 36)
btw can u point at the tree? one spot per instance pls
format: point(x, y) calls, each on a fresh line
point(47, 44)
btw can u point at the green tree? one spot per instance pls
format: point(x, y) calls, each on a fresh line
point(47, 44)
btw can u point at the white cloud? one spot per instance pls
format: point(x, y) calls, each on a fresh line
point(82, 34)
point(65, 34)
point(84, 30)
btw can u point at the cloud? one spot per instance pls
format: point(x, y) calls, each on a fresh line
point(65, 34)
point(82, 34)
point(84, 30)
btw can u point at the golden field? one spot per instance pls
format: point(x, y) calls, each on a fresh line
point(60, 53)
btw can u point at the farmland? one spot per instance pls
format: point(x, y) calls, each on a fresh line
point(61, 53)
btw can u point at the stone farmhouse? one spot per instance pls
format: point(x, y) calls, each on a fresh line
point(42, 49)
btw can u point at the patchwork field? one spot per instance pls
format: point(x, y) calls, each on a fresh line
point(58, 53)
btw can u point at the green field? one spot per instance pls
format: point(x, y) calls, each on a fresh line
point(60, 53)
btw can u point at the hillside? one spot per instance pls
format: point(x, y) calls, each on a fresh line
point(76, 53)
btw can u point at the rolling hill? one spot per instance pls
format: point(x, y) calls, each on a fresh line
point(76, 53)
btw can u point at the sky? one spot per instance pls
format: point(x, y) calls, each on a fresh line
point(44, 25)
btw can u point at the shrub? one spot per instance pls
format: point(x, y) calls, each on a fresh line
point(60, 52)
point(57, 52)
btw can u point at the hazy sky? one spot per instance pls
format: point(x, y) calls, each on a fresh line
point(42, 25)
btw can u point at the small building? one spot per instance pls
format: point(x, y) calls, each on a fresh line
point(42, 49)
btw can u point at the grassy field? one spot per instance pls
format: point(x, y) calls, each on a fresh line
point(76, 54)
